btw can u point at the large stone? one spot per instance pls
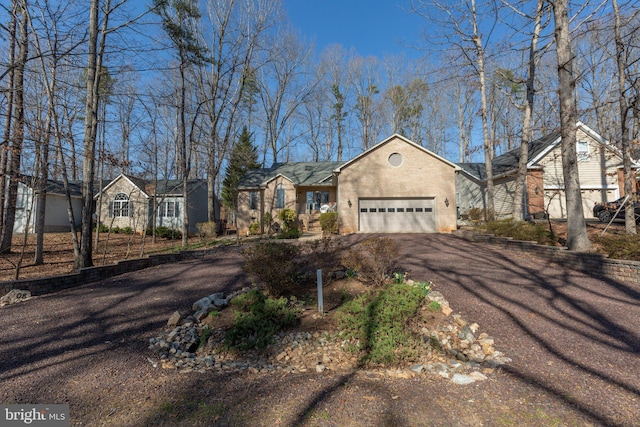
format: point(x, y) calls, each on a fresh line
point(14, 296)
point(174, 320)
point(462, 379)
point(201, 303)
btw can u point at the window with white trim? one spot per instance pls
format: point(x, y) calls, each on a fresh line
point(253, 200)
point(169, 209)
point(582, 148)
point(280, 196)
point(121, 206)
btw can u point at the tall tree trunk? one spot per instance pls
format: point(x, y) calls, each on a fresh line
point(519, 209)
point(629, 217)
point(18, 134)
point(4, 149)
point(89, 145)
point(577, 238)
point(488, 146)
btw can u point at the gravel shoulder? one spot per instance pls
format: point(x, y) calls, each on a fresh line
point(573, 340)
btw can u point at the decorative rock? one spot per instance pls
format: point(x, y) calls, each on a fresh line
point(417, 368)
point(478, 376)
point(461, 379)
point(201, 303)
point(446, 310)
point(174, 320)
point(319, 352)
point(14, 296)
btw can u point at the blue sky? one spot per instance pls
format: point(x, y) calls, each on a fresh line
point(372, 27)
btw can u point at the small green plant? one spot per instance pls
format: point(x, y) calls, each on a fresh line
point(257, 319)
point(329, 222)
point(205, 334)
point(425, 287)
point(214, 313)
point(127, 230)
point(289, 233)
point(103, 228)
point(399, 278)
point(168, 233)
point(350, 273)
point(376, 321)
point(434, 306)
point(288, 218)
point(254, 228)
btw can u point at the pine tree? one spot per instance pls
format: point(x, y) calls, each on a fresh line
point(244, 156)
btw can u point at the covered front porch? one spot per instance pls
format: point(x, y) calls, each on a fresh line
point(311, 201)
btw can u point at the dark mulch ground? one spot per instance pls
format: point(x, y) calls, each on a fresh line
point(573, 339)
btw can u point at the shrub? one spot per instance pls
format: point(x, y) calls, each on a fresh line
point(377, 321)
point(272, 264)
point(288, 218)
point(127, 230)
point(475, 214)
point(103, 228)
point(321, 254)
point(258, 319)
point(267, 220)
point(373, 259)
point(254, 228)
point(207, 229)
point(115, 230)
point(289, 233)
point(168, 233)
point(620, 246)
point(519, 230)
point(329, 222)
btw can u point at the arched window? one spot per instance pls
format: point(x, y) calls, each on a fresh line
point(121, 206)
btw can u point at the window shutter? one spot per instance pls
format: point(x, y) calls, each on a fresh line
point(176, 212)
point(130, 208)
point(110, 209)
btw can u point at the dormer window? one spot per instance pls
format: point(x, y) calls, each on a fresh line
point(583, 150)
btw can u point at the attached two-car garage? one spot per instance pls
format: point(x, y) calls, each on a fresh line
point(392, 215)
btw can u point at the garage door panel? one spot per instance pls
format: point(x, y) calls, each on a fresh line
point(397, 215)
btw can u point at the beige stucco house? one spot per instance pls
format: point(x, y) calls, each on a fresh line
point(395, 186)
point(130, 202)
point(599, 168)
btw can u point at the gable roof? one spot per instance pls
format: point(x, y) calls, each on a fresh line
point(171, 187)
point(386, 141)
point(507, 163)
point(299, 173)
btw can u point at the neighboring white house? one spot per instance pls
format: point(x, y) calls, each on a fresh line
point(129, 202)
point(599, 169)
point(56, 212)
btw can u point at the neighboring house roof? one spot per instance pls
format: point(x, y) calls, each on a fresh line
point(380, 144)
point(54, 186)
point(172, 187)
point(507, 163)
point(299, 173)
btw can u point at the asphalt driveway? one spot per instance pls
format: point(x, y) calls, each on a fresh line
point(574, 341)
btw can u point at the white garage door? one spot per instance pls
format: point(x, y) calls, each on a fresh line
point(397, 215)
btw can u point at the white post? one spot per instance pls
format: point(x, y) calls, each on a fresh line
point(320, 302)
